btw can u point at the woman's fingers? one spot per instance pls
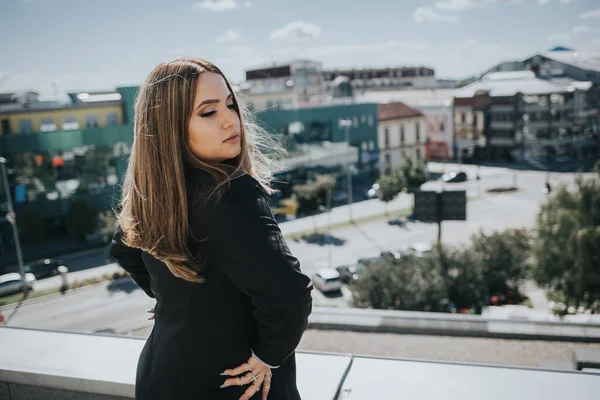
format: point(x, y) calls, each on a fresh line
point(267, 385)
point(238, 380)
point(253, 389)
point(245, 367)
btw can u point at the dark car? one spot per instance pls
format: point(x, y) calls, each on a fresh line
point(370, 260)
point(455, 177)
point(44, 268)
point(350, 272)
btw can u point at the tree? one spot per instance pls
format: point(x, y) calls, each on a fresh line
point(493, 265)
point(410, 283)
point(311, 195)
point(567, 251)
point(390, 186)
point(414, 174)
point(81, 218)
point(449, 278)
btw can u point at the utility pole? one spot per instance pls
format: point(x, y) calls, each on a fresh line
point(347, 123)
point(12, 219)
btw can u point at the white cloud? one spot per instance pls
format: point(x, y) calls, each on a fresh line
point(249, 4)
point(422, 14)
point(566, 1)
point(216, 5)
point(229, 36)
point(591, 14)
point(542, 2)
point(298, 30)
point(460, 5)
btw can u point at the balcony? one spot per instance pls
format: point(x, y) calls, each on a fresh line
point(41, 364)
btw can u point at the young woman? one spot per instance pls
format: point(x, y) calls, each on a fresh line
point(196, 233)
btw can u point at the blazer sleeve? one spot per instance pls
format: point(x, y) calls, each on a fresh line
point(251, 250)
point(130, 259)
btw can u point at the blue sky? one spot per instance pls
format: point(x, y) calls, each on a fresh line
point(57, 45)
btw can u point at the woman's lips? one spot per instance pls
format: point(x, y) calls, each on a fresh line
point(233, 139)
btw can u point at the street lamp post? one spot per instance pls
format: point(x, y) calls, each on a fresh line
point(347, 123)
point(12, 219)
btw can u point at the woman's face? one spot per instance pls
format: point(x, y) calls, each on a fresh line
point(214, 133)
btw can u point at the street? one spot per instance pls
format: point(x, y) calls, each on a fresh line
point(121, 308)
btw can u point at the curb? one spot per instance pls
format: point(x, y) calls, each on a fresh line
point(53, 295)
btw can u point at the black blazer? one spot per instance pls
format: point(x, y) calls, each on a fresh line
point(254, 297)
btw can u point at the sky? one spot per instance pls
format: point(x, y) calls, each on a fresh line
point(55, 46)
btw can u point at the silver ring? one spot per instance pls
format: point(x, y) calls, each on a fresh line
point(249, 367)
point(240, 381)
point(253, 376)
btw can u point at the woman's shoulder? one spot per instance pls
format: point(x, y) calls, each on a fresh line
point(242, 185)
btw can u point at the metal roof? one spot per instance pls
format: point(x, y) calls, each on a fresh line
point(500, 84)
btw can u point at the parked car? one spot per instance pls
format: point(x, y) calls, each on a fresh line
point(44, 268)
point(393, 254)
point(455, 177)
point(420, 249)
point(350, 272)
point(13, 283)
point(373, 192)
point(339, 196)
point(370, 260)
point(327, 280)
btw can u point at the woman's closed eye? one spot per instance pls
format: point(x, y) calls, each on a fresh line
point(232, 106)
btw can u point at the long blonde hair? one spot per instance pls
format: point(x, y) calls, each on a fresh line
point(153, 209)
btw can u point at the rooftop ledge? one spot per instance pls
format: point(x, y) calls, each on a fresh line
point(36, 364)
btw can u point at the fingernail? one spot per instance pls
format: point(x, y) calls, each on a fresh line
point(223, 385)
point(224, 374)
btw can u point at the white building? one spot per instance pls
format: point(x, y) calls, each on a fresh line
point(292, 85)
point(401, 134)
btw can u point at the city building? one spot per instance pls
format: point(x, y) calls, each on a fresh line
point(283, 86)
point(385, 78)
point(517, 116)
point(439, 131)
point(25, 113)
point(436, 107)
point(559, 62)
point(401, 134)
point(305, 127)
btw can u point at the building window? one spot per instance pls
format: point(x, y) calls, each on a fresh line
point(355, 122)
point(25, 126)
point(363, 119)
point(418, 130)
point(47, 125)
point(442, 126)
point(463, 117)
point(6, 127)
point(418, 154)
point(401, 134)
point(70, 123)
point(370, 117)
point(91, 121)
point(371, 145)
point(388, 163)
point(474, 120)
point(364, 146)
point(386, 137)
point(112, 119)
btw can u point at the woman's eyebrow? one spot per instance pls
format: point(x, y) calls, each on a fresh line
point(213, 101)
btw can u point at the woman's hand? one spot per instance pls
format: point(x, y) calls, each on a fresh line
point(255, 375)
